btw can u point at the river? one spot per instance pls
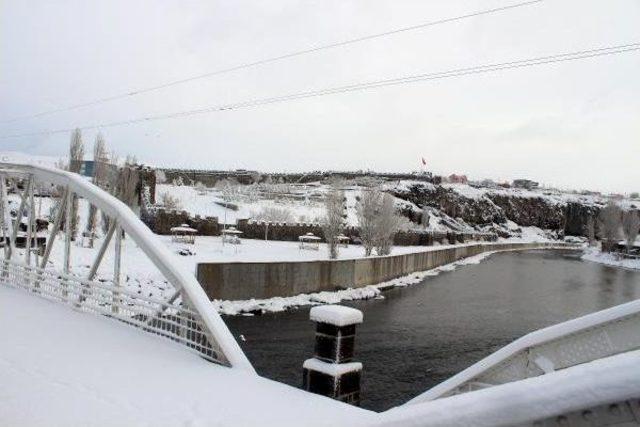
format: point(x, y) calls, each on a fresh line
point(418, 336)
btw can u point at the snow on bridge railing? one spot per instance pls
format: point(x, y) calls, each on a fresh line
point(585, 339)
point(604, 392)
point(193, 322)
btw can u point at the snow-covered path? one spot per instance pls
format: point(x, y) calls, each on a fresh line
point(59, 367)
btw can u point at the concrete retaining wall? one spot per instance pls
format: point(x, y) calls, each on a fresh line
point(246, 280)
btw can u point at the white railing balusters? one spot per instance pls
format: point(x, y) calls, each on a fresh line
point(66, 263)
point(30, 224)
point(56, 228)
point(7, 242)
point(103, 249)
point(116, 267)
point(16, 226)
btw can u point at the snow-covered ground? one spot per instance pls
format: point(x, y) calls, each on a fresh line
point(595, 255)
point(306, 207)
point(203, 203)
point(65, 368)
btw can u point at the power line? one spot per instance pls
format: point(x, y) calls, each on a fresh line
point(266, 61)
point(549, 59)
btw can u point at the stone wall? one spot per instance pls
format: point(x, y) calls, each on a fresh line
point(245, 280)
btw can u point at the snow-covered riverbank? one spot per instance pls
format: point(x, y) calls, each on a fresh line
point(595, 255)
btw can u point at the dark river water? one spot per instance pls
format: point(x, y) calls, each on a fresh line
point(421, 335)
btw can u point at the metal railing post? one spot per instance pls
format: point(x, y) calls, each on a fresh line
point(5, 220)
point(67, 242)
point(115, 304)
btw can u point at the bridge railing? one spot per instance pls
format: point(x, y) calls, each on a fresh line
point(178, 323)
point(578, 341)
point(187, 316)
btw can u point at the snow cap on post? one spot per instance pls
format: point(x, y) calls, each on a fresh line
point(336, 315)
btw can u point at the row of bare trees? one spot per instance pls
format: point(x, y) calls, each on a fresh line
point(377, 219)
point(121, 182)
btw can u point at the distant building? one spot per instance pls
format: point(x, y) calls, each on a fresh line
point(457, 179)
point(525, 183)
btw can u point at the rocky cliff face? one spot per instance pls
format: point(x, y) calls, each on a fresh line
point(471, 211)
point(491, 210)
point(528, 211)
point(576, 216)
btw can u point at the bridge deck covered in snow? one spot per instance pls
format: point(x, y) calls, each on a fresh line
point(59, 367)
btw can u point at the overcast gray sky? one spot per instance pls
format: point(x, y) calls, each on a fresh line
point(573, 124)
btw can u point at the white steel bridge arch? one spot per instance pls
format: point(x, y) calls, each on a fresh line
point(192, 322)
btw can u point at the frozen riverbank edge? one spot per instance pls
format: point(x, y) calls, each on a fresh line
point(595, 255)
point(279, 304)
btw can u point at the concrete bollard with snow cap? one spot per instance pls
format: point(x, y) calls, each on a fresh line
point(332, 372)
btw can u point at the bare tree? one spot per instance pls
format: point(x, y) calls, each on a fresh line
point(76, 157)
point(388, 223)
point(127, 185)
point(630, 226)
point(333, 221)
point(274, 214)
point(609, 219)
point(367, 211)
point(201, 189)
point(170, 202)
point(100, 161)
point(124, 186)
point(590, 231)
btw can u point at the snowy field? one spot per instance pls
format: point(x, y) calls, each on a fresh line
point(304, 204)
point(65, 368)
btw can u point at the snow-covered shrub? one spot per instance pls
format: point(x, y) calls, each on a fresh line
point(273, 214)
point(229, 188)
point(170, 202)
point(200, 188)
